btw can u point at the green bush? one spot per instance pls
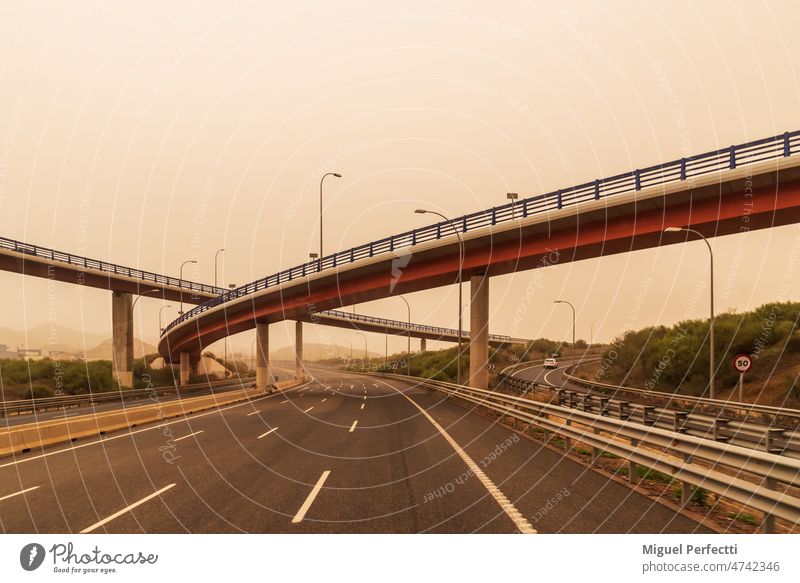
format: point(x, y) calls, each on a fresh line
point(38, 392)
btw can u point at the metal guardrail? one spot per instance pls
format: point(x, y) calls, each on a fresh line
point(790, 417)
point(780, 146)
point(68, 401)
point(657, 449)
point(413, 327)
point(755, 436)
point(104, 266)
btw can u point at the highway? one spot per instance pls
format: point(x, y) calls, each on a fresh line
point(342, 453)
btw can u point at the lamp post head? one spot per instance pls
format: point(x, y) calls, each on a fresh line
point(674, 229)
point(420, 211)
point(313, 256)
point(512, 196)
point(337, 175)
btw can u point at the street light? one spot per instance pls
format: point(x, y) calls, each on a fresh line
point(160, 312)
point(513, 196)
point(460, 281)
point(313, 257)
point(408, 335)
point(337, 175)
point(712, 392)
point(180, 312)
point(351, 348)
point(215, 264)
point(150, 291)
point(573, 326)
point(365, 344)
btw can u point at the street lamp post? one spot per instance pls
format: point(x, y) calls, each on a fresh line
point(711, 367)
point(573, 326)
point(160, 312)
point(136, 299)
point(180, 312)
point(460, 281)
point(408, 336)
point(216, 255)
point(314, 257)
point(337, 175)
point(513, 196)
point(365, 344)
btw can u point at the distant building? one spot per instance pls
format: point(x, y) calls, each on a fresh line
point(29, 353)
point(6, 353)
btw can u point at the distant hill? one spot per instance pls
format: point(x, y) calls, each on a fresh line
point(314, 351)
point(68, 341)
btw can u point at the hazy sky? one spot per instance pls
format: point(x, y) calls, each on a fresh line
point(150, 133)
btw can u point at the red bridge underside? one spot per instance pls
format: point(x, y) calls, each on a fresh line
point(716, 211)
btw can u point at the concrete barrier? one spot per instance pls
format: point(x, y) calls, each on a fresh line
point(23, 438)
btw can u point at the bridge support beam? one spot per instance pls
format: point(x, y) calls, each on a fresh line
point(122, 338)
point(422, 345)
point(479, 332)
point(298, 350)
point(186, 367)
point(262, 356)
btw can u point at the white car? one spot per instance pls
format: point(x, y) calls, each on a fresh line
point(550, 363)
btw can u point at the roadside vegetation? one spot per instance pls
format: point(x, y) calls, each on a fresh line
point(676, 358)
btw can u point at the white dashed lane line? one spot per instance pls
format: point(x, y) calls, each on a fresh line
point(188, 436)
point(253, 413)
point(307, 410)
point(7, 496)
point(97, 525)
point(301, 514)
point(267, 433)
point(353, 426)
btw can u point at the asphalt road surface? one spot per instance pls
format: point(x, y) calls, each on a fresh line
point(343, 453)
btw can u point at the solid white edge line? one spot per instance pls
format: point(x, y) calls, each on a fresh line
point(301, 514)
point(188, 436)
point(267, 433)
point(7, 496)
point(97, 525)
point(505, 504)
point(353, 426)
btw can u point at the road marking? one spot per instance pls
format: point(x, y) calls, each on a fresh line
point(505, 504)
point(307, 410)
point(7, 496)
point(152, 427)
point(187, 436)
point(323, 400)
point(97, 525)
point(362, 406)
point(301, 514)
point(353, 426)
point(253, 413)
point(365, 397)
point(267, 433)
point(286, 401)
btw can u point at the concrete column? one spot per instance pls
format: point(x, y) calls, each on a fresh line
point(185, 368)
point(422, 345)
point(122, 338)
point(262, 356)
point(479, 332)
point(298, 350)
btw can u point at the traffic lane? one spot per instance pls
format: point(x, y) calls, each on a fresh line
point(535, 477)
point(97, 477)
point(390, 492)
point(55, 415)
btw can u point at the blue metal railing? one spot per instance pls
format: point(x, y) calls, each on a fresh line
point(439, 331)
point(780, 146)
point(104, 266)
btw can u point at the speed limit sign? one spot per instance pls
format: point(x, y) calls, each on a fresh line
point(742, 363)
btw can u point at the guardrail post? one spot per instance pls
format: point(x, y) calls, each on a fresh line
point(772, 433)
point(719, 426)
point(686, 487)
point(733, 157)
point(683, 168)
point(633, 469)
point(768, 525)
point(786, 145)
point(558, 198)
point(637, 181)
point(679, 421)
point(597, 190)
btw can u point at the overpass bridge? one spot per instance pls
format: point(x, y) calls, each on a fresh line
point(750, 186)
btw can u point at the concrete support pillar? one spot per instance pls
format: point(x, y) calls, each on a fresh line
point(298, 350)
point(185, 368)
point(262, 356)
point(122, 338)
point(479, 332)
point(422, 345)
